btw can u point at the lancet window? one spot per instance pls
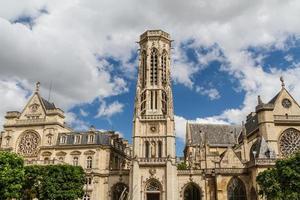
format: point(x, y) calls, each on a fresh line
point(153, 67)
point(164, 67)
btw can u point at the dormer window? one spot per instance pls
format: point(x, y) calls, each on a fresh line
point(91, 138)
point(63, 139)
point(77, 139)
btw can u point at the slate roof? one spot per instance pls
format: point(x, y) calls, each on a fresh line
point(273, 100)
point(48, 105)
point(251, 123)
point(262, 149)
point(101, 138)
point(213, 134)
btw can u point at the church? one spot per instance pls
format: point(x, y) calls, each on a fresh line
point(222, 161)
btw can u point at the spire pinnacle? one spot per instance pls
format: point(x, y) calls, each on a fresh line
point(37, 87)
point(282, 81)
point(259, 101)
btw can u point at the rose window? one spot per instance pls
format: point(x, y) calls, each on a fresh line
point(28, 145)
point(289, 142)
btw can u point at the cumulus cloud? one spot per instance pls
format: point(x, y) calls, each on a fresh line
point(110, 110)
point(73, 121)
point(212, 93)
point(71, 41)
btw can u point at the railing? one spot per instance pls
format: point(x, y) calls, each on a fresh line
point(12, 114)
point(43, 162)
point(212, 171)
point(155, 33)
point(152, 160)
point(190, 171)
point(230, 170)
point(287, 118)
point(262, 162)
point(30, 121)
point(151, 117)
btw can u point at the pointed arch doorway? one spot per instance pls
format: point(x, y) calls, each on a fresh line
point(153, 190)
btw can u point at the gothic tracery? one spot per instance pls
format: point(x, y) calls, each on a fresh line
point(289, 142)
point(28, 145)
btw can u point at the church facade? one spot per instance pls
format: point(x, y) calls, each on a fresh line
point(221, 161)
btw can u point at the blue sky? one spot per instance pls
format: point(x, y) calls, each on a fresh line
point(223, 56)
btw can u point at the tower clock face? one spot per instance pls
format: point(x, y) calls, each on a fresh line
point(286, 103)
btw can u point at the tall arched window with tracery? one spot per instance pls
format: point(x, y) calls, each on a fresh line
point(153, 67)
point(163, 61)
point(236, 189)
point(147, 147)
point(119, 191)
point(159, 149)
point(192, 192)
point(153, 189)
point(144, 69)
point(289, 142)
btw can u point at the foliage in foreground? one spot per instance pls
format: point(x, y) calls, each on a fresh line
point(283, 181)
point(11, 175)
point(50, 182)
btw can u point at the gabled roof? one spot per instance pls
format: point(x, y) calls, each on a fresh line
point(273, 100)
point(47, 104)
point(213, 134)
point(262, 149)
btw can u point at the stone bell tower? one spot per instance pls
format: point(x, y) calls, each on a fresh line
point(153, 175)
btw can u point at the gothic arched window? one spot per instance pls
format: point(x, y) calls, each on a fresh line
point(164, 67)
point(144, 69)
point(89, 162)
point(164, 102)
point(289, 142)
point(153, 186)
point(153, 67)
point(192, 192)
point(236, 190)
point(119, 191)
point(147, 146)
point(159, 149)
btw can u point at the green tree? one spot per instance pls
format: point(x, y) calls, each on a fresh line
point(283, 181)
point(62, 182)
point(32, 183)
point(11, 175)
point(182, 166)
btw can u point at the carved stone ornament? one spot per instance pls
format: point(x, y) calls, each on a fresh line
point(153, 129)
point(34, 107)
point(152, 171)
point(289, 142)
point(28, 145)
point(286, 103)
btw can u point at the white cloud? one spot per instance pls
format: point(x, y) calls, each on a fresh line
point(12, 97)
point(180, 124)
point(65, 45)
point(212, 93)
point(75, 123)
point(83, 112)
point(109, 110)
point(289, 57)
